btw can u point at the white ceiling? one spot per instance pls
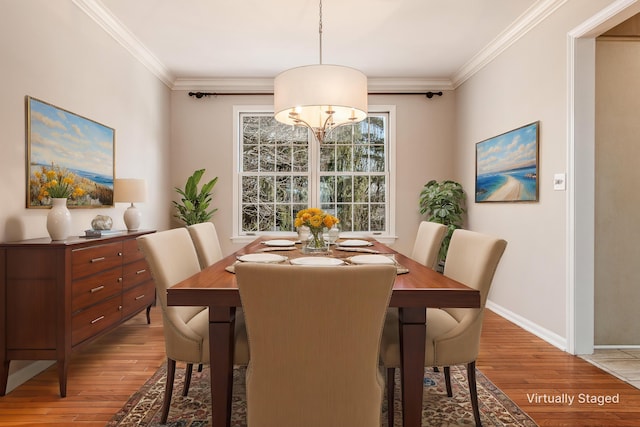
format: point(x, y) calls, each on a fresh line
point(427, 42)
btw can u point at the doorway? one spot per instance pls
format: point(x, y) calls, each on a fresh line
point(581, 194)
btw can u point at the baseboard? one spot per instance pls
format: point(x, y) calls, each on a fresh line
point(542, 333)
point(24, 374)
point(617, 347)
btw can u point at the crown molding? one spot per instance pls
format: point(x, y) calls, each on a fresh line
point(252, 85)
point(382, 85)
point(257, 85)
point(607, 18)
point(525, 23)
point(114, 27)
point(99, 13)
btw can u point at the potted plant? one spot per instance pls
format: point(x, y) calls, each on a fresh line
point(194, 204)
point(443, 202)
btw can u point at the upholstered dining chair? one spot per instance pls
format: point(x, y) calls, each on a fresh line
point(205, 239)
point(314, 337)
point(453, 334)
point(172, 258)
point(427, 243)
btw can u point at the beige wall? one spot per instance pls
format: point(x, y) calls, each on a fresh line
point(527, 82)
point(202, 135)
point(54, 52)
point(617, 197)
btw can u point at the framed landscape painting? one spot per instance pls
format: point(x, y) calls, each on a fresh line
point(507, 166)
point(64, 148)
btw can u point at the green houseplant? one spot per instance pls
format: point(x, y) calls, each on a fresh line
point(193, 207)
point(443, 202)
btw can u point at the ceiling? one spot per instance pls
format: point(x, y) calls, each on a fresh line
point(428, 43)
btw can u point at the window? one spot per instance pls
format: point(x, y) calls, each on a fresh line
point(282, 169)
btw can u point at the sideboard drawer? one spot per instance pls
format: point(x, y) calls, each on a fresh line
point(94, 259)
point(89, 322)
point(135, 273)
point(93, 289)
point(137, 298)
point(131, 252)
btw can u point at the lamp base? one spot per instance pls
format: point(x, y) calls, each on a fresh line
point(132, 217)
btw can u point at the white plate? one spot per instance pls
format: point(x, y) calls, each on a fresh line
point(262, 258)
point(316, 260)
point(354, 242)
point(281, 242)
point(351, 235)
point(371, 259)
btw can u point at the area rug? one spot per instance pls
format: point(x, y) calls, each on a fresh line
point(143, 407)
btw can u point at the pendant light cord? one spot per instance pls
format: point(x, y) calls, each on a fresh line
point(320, 32)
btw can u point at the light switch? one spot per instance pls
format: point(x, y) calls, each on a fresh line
point(559, 182)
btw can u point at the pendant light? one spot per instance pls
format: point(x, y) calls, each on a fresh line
point(320, 97)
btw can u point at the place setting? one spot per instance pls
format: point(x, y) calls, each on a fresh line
point(278, 245)
point(355, 245)
point(377, 259)
point(257, 257)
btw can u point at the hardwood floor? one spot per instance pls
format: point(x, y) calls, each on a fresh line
point(103, 376)
point(524, 367)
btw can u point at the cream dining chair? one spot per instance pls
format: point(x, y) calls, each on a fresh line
point(453, 334)
point(427, 243)
point(314, 337)
point(172, 258)
point(205, 239)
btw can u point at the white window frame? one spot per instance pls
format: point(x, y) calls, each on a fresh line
point(388, 238)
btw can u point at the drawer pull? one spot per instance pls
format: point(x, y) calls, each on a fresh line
point(119, 279)
point(99, 288)
point(97, 320)
point(119, 253)
point(141, 271)
point(139, 297)
point(97, 259)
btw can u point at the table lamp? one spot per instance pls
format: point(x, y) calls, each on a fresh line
point(130, 190)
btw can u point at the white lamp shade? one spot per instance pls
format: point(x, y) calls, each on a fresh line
point(312, 90)
point(129, 190)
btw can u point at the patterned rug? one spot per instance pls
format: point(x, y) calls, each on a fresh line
point(143, 407)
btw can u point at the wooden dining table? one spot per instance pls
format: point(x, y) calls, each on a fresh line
point(416, 289)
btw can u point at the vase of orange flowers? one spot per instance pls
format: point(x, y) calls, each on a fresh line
point(317, 220)
point(58, 185)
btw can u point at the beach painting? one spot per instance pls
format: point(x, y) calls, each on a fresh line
point(507, 166)
point(65, 147)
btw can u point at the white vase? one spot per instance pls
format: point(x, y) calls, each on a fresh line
point(59, 220)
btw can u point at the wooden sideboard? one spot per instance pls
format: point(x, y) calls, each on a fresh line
point(57, 296)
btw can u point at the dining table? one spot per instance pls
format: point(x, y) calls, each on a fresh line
point(416, 289)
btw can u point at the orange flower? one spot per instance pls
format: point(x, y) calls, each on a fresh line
point(315, 218)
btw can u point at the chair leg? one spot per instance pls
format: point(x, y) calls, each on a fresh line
point(200, 367)
point(447, 380)
point(473, 390)
point(391, 375)
point(168, 390)
point(187, 378)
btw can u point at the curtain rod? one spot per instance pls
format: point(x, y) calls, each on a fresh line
point(203, 94)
